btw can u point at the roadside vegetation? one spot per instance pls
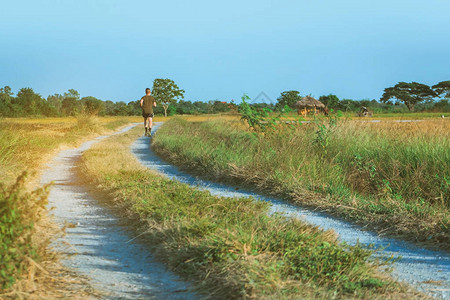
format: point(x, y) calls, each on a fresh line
point(231, 248)
point(392, 177)
point(26, 262)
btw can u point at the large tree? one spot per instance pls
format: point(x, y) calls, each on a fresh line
point(442, 89)
point(409, 93)
point(166, 92)
point(289, 98)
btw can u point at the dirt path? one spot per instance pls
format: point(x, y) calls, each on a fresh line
point(100, 248)
point(428, 271)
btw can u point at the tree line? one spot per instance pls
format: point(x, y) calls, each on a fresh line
point(403, 96)
point(399, 98)
point(29, 103)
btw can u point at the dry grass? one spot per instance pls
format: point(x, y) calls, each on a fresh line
point(26, 144)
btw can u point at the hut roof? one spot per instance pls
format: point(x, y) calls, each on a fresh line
point(309, 101)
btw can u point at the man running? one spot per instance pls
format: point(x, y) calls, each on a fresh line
point(147, 102)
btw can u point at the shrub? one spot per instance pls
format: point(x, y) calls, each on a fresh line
point(19, 211)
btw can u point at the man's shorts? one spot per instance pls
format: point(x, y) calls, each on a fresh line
point(145, 115)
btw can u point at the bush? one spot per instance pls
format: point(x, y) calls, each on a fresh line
point(19, 211)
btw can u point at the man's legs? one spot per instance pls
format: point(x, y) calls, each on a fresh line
point(146, 121)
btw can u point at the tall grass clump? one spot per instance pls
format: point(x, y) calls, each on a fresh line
point(19, 211)
point(391, 176)
point(231, 248)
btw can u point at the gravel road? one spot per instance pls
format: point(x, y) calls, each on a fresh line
point(100, 247)
point(428, 271)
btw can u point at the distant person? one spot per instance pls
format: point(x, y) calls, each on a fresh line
point(147, 102)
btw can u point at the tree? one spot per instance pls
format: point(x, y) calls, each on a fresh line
point(220, 106)
point(134, 108)
point(5, 101)
point(331, 101)
point(348, 105)
point(201, 107)
point(166, 92)
point(29, 101)
point(70, 104)
point(93, 106)
point(55, 103)
point(408, 93)
point(185, 107)
point(72, 94)
point(6, 91)
point(121, 109)
point(442, 88)
point(289, 98)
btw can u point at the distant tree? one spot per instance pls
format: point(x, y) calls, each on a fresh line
point(72, 94)
point(47, 109)
point(166, 92)
point(289, 98)
point(109, 108)
point(348, 105)
point(55, 103)
point(70, 106)
point(171, 110)
point(408, 93)
point(442, 89)
point(121, 109)
point(5, 101)
point(6, 91)
point(442, 105)
point(331, 101)
point(220, 106)
point(92, 105)
point(134, 108)
point(201, 107)
point(29, 101)
point(185, 107)
point(365, 102)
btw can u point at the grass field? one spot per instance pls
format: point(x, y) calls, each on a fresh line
point(393, 177)
point(236, 248)
point(231, 248)
point(25, 144)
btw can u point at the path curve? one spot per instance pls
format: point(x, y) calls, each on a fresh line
point(100, 246)
point(417, 267)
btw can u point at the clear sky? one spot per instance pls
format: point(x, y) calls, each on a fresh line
point(218, 50)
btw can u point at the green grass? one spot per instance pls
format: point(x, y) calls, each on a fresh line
point(412, 115)
point(231, 248)
point(393, 177)
point(382, 115)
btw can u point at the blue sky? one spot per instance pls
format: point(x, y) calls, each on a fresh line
point(218, 50)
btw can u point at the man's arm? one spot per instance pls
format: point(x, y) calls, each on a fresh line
point(141, 102)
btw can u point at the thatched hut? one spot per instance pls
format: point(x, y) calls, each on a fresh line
point(308, 103)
